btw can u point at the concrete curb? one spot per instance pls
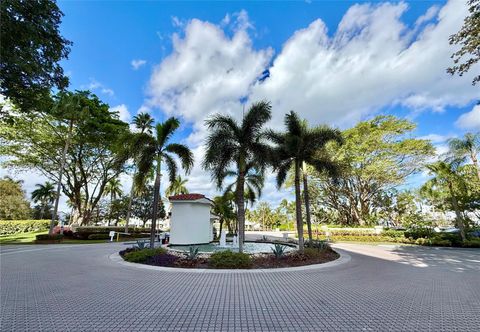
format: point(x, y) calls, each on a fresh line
point(344, 258)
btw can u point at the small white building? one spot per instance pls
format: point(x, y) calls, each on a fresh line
point(191, 221)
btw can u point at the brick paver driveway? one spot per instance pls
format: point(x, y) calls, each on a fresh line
point(78, 288)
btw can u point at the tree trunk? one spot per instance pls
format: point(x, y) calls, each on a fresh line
point(307, 203)
point(156, 195)
point(475, 162)
point(130, 201)
point(42, 210)
point(60, 175)
point(298, 207)
point(240, 210)
point(460, 224)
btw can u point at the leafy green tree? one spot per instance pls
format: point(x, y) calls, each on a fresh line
point(239, 145)
point(298, 147)
point(177, 187)
point(13, 204)
point(142, 205)
point(469, 147)
point(32, 48)
point(377, 157)
point(144, 124)
point(45, 195)
point(446, 173)
point(152, 151)
point(468, 37)
point(76, 145)
point(113, 188)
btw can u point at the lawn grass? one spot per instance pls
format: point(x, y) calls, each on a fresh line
point(29, 238)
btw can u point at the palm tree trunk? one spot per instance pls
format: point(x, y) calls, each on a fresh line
point(42, 210)
point(156, 196)
point(60, 175)
point(307, 204)
point(460, 224)
point(475, 162)
point(241, 210)
point(298, 207)
point(130, 201)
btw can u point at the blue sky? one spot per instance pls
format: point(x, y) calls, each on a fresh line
point(334, 62)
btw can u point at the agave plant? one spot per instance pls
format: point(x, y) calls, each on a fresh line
point(141, 244)
point(279, 250)
point(320, 245)
point(192, 253)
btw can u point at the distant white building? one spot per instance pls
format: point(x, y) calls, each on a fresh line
point(191, 221)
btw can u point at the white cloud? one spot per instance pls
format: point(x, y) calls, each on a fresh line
point(470, 120)
point(123, 113)
point(137, 63)
point(94, 85)
point(372, 60)
point(436, 138)
point(178, 23)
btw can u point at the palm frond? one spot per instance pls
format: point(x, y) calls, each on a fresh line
point(166, 130)
point(171, 167)
point(184, 153)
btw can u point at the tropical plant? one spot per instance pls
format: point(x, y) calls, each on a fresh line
point(13, 204)
point(113, 188)
point(177, 187)
point(241, 145)
point(140, 245)
point(446, 173)
point(192, 253)
point(296, 148)
point(152, 151)
point(223, 208)
point(469, 147)
point(45, 195)
point(144, 124)
point(279, 250)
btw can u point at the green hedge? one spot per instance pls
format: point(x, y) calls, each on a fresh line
point(141, 256)
point(47, 238)
point(8, 227)
point(98, 237)
point(230, 260)
point(86, 231)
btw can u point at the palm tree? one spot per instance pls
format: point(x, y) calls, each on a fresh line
point(113, 188)
point(45, 194)
point(177, 187)
point(152, 152)
point(295, 149)
point(223, 208)
point(144, 123)
point(468, 146)
point(240, 145)
point(446, 173)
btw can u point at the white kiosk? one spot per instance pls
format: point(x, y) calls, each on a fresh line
point(190, 221)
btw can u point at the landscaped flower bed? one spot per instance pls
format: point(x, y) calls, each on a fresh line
point(228, 259)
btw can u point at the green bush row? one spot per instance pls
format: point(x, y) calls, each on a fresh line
point(230, 260)
point(141, 256)
point(102, 229)
point(101, 236)
point(8, 227)
point(48, 238)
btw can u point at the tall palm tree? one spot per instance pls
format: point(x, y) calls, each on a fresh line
point(113, 188)
point(177, 187)
point(223, 208)
point(45, 194)
point(446, 173)
point(144, 123)
point(297, 147)
point(238, 145)
point(152, 152)
point(468, 146)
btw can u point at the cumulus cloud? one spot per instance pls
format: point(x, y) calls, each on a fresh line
point(95, 86)
point(371, 61)
point(137, 63)
point(123, 113)
point(470, 120)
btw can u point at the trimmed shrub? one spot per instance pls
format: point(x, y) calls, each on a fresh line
point(8, 227)
point(84, 232)
point(47, 238)
point(392, 233)
point(99, 237)
point(141, 256)
point(419, 232)
point(230, 260)
point(472, 243)
point(164, 259)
